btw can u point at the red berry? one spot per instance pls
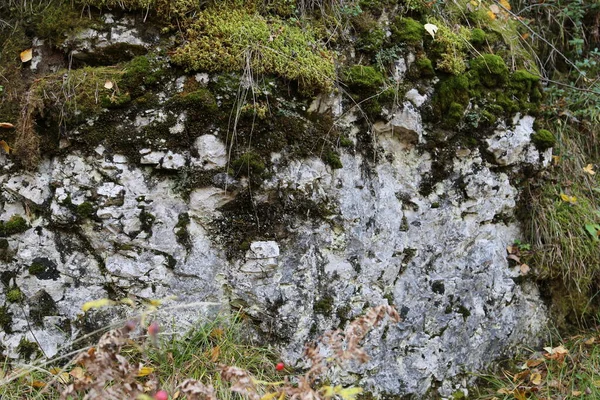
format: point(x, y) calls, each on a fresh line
point(280, 366)
point(161, 395)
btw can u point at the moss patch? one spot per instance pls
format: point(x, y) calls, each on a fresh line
point(407, 30)
point(543, 139)
point(230, 39)
point(6, 319)
point(16, 224)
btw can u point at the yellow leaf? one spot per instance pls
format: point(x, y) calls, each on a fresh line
point(568, 199)
point(349, 393)
point(37, 384)
point(536, 378)
point(491, 15)
point(6, 125)
point(176, 395)
point(5, 146)
point(505, 4)
point(555, 160)
point(589, 169)
point(145, 371)
point(270, 396)
point(77, 373)
point(26, 55)
point(576, 393)
point(590, 341)
point(97, 304)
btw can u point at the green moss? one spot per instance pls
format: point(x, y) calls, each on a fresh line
point(58, 20)
point(543, 139)
point(425, 67)
point(36, 268)
point(27, 349)
point(116, 100)
point(372, 40)
point(448, 50)
point(526, 87)
point(85, 209)
point(363, 79)
point(14, 295)
point(16, 224)
point(200, 99)
point(6, 319)
point(324, 306)
point(453, 97)
point(491, 69)
point(249, 163)
point(407, 30)
point(140, 73)
point(478, 36)
point(333, 160)
point(166, 9)
point(226, 39)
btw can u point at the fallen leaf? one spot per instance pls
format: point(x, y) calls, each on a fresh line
point(494, 8)
point(524, 268)
point(431, 29)
point(589, 169)
point(491, 15)
point(505, 4)
point(525, 36)
point(4, 146)
point(6, 125)
point(26, 55)
point(521, 375)
point(568, 199)
point(504, 391)
point(576, 393)
point(514, 257)
point(519, 394)
point(590, 341)
point(560, 350)
point(77, 373)
point(108, 84)
point(533, 363)
point(145, 371)
point(37, 384)
point(214, 353)
point(536, 378)
point(555, 160)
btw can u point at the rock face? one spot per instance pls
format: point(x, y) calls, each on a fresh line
point(317, 246)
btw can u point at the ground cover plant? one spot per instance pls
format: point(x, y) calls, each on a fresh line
point(213, 360)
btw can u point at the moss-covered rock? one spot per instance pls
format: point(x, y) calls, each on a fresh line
point(223, 39)
point(16, 224)
point(425, 67)
point(14, 295)
point(478, 36)
point(407, 30)
point(491, 70)
point(248, 163)
point(363, 79)
point(543, 139)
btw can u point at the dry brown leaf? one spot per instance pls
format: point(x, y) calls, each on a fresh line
point(521, 375)
point(536, 378)
point(37, 384)
point(214, 353)
point(77, 373)
point(524, 268)
point(514, 257)
point(533, 363)
point(26, 55)
point(576, 393)
point(590, 341)
point(6, 125)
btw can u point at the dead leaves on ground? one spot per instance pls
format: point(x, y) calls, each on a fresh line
point(558, 372)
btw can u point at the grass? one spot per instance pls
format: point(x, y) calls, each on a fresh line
point(566, 369)
point(173, 358)
point(213, 360)
point(560, 206)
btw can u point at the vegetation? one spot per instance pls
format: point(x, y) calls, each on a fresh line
point(214, 360)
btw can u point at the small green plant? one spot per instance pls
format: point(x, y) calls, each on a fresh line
point(14, 295)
